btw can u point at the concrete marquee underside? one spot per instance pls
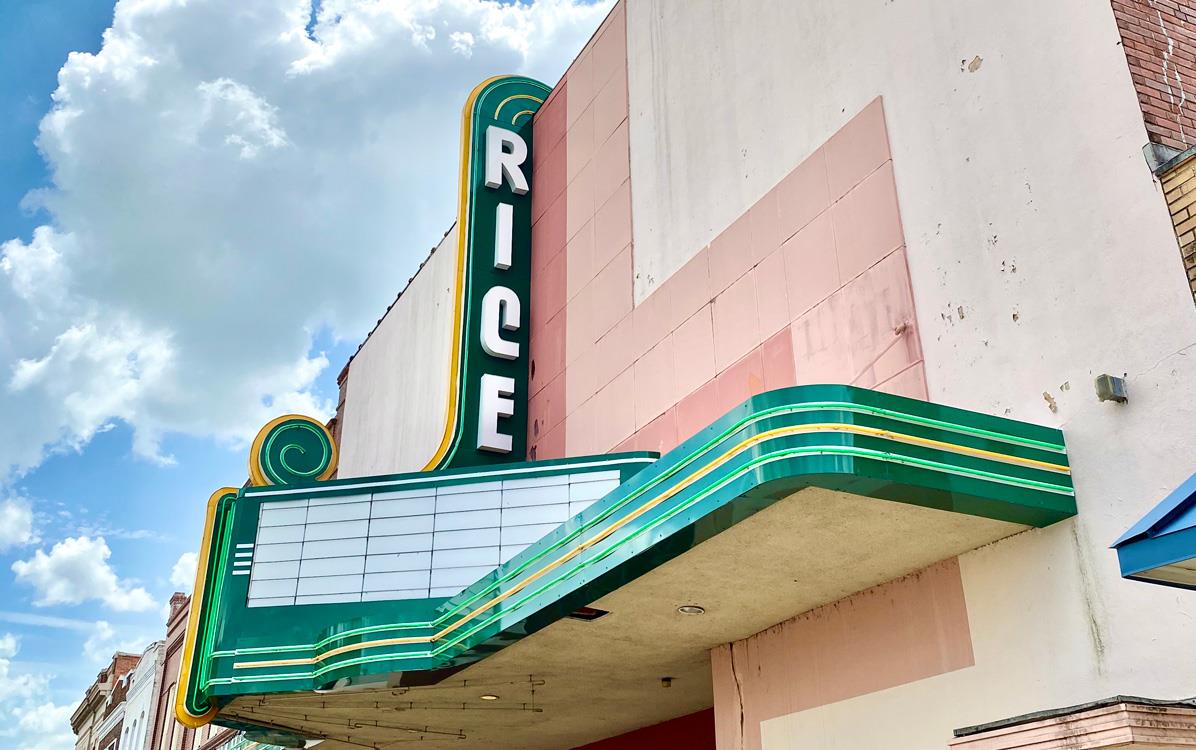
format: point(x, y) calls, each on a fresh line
point(601, 678)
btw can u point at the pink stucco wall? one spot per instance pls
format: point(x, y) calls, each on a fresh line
point(808, 285)
point(581, 235)
point(908, 629)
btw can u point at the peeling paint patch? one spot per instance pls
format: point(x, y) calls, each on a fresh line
point(1050, 401)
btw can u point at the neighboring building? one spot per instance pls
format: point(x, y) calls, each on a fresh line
point(159, 730)
point(144, 685)
point(98, 719)
point(756, 238)
point(167, 733)
point(111, 727)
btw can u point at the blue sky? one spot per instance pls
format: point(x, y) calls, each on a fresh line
point(148, 513)
point(195, 234)
point(35, 38)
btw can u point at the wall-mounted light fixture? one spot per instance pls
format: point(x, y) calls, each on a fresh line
point(1111, 388)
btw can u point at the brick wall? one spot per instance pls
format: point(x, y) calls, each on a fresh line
point(1159, 39)
point(1179, 185)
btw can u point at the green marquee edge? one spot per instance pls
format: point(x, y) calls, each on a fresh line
point(835, 437)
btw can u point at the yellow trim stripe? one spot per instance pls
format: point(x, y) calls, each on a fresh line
point(257, 477)
point(185, 717)
point(498, 109)
point(521, 113)
point(727, 456)
point(450, 423)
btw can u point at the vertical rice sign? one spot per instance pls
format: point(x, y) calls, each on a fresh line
point(487, 415)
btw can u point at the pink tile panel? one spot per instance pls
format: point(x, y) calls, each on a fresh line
point(892, 634)
point(582, 333)
point(809, 285)
point(600, 334)
point(693, 351)
point(654, 383)
point(549, 272)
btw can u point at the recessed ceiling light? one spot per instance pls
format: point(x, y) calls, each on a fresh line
point(489, 697)
point(691, 609)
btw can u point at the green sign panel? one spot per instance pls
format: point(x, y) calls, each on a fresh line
point(486, 421)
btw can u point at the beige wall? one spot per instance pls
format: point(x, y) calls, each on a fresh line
point(910, 629)
point(398, 384)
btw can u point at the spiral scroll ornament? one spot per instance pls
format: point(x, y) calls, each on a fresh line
point(292, 449)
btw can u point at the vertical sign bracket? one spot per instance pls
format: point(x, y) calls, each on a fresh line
point(486, 419)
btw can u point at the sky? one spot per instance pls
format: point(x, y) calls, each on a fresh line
point(204, 207)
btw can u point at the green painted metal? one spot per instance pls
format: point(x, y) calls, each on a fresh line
point(830, 436)
point(223, 611)
point(295, 450)
point(241, 742)
point(508, 102)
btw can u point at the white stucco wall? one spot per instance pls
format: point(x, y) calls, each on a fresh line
point(1027, 204)
point(140, 702)
point(398, 383)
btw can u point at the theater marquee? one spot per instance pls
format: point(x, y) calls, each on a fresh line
point(322, 587)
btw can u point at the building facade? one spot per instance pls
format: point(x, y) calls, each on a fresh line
point(163, 732)
point(111, 727)
point(131, 704)
point(98, 720)
point(168, 734)
point(145, 683)
point(787, 389)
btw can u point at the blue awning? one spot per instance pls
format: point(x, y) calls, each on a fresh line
point(1161, 548)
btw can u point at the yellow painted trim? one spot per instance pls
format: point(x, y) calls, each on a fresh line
point(450, 423)
point(181, 713)
point(727, 456)
point(258, 478)
point(521, 113)
point(498, 109)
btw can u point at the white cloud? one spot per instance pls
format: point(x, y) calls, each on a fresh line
point(101, 644)
point(14, 685)
point(16, 523)
point(462, 43)
point(106, 640)
point(182, 575)
point(29, 720)
point(221, 192)
point(77, 570)
point(46, 621)
point(50, 723)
